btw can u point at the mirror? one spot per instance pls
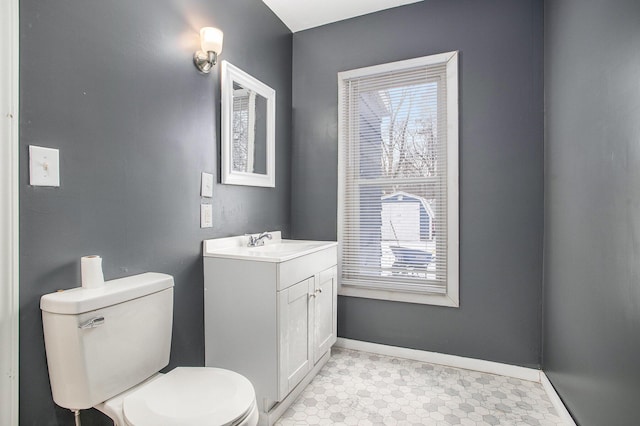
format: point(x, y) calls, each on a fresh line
point(248, 129)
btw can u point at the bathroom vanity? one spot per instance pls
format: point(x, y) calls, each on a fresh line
point(270, 313)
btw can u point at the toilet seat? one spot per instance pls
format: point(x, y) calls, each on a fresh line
point(201, 396)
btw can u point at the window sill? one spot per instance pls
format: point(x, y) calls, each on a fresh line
point(448, 300)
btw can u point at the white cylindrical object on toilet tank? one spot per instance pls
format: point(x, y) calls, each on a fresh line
point(91, 270)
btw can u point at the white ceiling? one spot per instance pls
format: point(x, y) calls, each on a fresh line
point(300, 15)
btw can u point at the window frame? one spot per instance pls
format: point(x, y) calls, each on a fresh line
point(452, 296)
point(9, 212)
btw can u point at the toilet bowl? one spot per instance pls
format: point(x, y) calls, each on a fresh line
point(201, 396)
point(106, 346)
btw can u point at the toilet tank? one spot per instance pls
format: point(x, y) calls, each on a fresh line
point(103, 341)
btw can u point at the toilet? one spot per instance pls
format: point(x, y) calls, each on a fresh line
point(105, 349)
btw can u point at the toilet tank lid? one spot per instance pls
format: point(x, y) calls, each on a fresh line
point(79, 300)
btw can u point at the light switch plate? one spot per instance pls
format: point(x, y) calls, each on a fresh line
point(206, 216)
point(44, 166)
point(207, 185)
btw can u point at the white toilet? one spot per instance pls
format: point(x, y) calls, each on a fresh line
point(106, 346)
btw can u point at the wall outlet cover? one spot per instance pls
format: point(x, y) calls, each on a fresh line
point(44, 166)
point(206, 215)
point(207, 185)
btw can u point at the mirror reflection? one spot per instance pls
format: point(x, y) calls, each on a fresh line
point(249, 145)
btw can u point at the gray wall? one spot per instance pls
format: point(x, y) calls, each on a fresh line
point(592, 215)
point(112, 85)
point(501, 163)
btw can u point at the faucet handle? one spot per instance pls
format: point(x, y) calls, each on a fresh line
point(255, 241)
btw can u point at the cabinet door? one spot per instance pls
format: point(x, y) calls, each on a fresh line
point(325, 312)
point(295, 316)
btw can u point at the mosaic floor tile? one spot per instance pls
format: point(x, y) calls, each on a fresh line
point(359, 388)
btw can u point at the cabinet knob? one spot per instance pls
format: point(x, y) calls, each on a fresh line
point(319, 290)
point(312, 295)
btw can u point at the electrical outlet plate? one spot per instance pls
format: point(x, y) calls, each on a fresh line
point(206, 216)
point(207, 185)
point(44, 166)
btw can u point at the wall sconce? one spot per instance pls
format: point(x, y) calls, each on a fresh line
point(211, 44)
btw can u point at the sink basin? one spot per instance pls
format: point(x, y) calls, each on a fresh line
point(286, 247)
point(274, 250)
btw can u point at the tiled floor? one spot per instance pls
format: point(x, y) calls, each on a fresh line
point(359, 388)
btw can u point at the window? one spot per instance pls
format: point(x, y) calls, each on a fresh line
point(398, 181)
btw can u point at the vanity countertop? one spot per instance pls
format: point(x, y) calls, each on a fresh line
point(274, 250)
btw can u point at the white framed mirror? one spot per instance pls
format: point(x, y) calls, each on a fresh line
point(248, 129)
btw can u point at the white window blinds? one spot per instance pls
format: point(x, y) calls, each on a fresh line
point(244, 124)
point(395, 187)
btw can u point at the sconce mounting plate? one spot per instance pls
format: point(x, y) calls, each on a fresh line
point(205, 61)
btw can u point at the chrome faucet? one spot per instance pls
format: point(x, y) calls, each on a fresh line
point(259, 240)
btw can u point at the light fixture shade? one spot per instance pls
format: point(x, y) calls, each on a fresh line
point(211, 39)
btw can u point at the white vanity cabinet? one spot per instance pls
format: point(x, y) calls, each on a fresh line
point(296, 316)
point(270, 315)
point(307, 325)
point(325, 325)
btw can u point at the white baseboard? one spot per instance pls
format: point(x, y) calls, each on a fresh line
point(556, 401)
point(522, 373)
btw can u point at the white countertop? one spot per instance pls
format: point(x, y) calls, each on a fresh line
point(274, 250)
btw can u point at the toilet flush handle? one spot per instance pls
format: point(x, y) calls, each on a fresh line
point(92, 323)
